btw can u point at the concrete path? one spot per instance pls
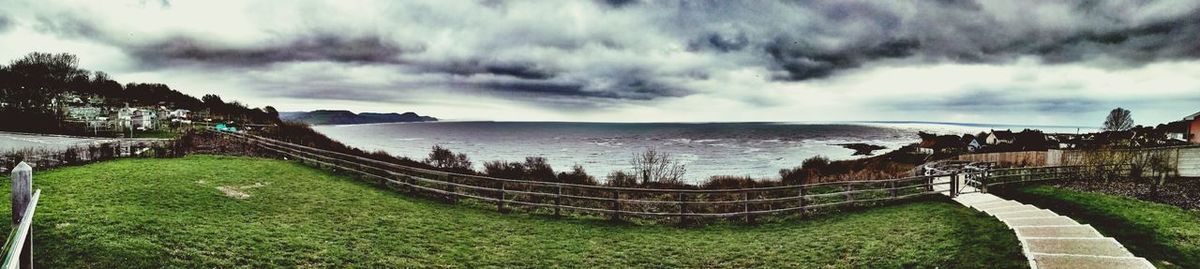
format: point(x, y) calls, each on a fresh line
point(1050, 240)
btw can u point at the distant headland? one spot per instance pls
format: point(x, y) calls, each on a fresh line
point(332, 117)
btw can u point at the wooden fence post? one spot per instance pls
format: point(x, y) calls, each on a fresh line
point(983, 181)
point(746, 207)
point(616, 205)
point(452, 193)
point(500, 204)
point(928, 183)
point(803, 202)
point(849, 192)
point(954, 185)
point(22, 193)
point(558, 202)
point(682, 207)
point(892, 188)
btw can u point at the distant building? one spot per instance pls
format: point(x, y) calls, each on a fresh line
point(179, 114)
point(1000, 137)
point(1177, 136)
point(144, 119)
point(1063, 141)
point(1031, 140)
point(972, 142)
point(86, 113)
point(1193, 133)
point(940, 143)
point(973, 145)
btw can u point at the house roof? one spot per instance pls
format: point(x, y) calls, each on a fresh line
point(942, 141)
point(1192, 117)
point(1004, 135)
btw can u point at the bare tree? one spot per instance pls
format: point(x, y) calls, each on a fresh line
point(1119, 119)
point(654, 166)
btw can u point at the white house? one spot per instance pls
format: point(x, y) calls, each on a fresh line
point(144, 119)
point(1000, 137)
point(179, 113)
point(86, 113)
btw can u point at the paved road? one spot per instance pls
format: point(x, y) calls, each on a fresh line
point(20, 141)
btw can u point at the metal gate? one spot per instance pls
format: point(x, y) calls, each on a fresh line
point(963, 177)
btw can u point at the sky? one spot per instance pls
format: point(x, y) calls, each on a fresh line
point(1006, 61)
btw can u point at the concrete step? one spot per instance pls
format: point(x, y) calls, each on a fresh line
point(1044, 221)
point(1057, 231)
point(1006, 209)
point(976, 198)
point(1106, 247)
point(1026, 214)
point(1052, 261)
point(994, 204)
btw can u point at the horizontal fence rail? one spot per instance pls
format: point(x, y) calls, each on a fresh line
point(612, 201)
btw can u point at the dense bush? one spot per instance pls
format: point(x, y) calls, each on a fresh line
point(576, 176)
point(536, 169)
point(445, 159)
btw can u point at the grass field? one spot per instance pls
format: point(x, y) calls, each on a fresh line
point(1166, 235)
point(233, 212)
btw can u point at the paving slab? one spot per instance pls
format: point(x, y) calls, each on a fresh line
point(1058, 231)
point(994, 204)
point(1043, 261)
point(1026, 214)
point(1059, 220)
point(1107, 247)
point(1019, 208)
point(976, 198)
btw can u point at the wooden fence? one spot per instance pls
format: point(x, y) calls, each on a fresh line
point(91, 152)
point(1016, 158)
point(18, 248)
point(614, 202)
point(994, 177)
point(1183, 161)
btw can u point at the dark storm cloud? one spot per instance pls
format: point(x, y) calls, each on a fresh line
point(630, 50)
point(964, 31)
point(5, 22)
point(325, 47)
point(618, 3)
point(528, 71)
point(803, 62)
point(1001, 100)
point(1174, 38)
point(720, 42)
point(629, 88)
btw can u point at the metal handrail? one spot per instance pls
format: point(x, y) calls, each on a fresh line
point(16, 238)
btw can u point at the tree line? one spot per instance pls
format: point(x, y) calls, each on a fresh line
point(28, 84)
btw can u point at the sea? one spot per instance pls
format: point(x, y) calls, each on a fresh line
point(757, 150)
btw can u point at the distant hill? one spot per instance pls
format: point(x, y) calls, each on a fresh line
point(328, 117)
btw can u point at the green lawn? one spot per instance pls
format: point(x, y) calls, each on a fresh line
point(170, 213)
point(1167, 235)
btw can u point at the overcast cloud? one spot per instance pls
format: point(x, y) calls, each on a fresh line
point(1012, 61)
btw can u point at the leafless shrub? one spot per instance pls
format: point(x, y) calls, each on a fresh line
point(652, 166)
